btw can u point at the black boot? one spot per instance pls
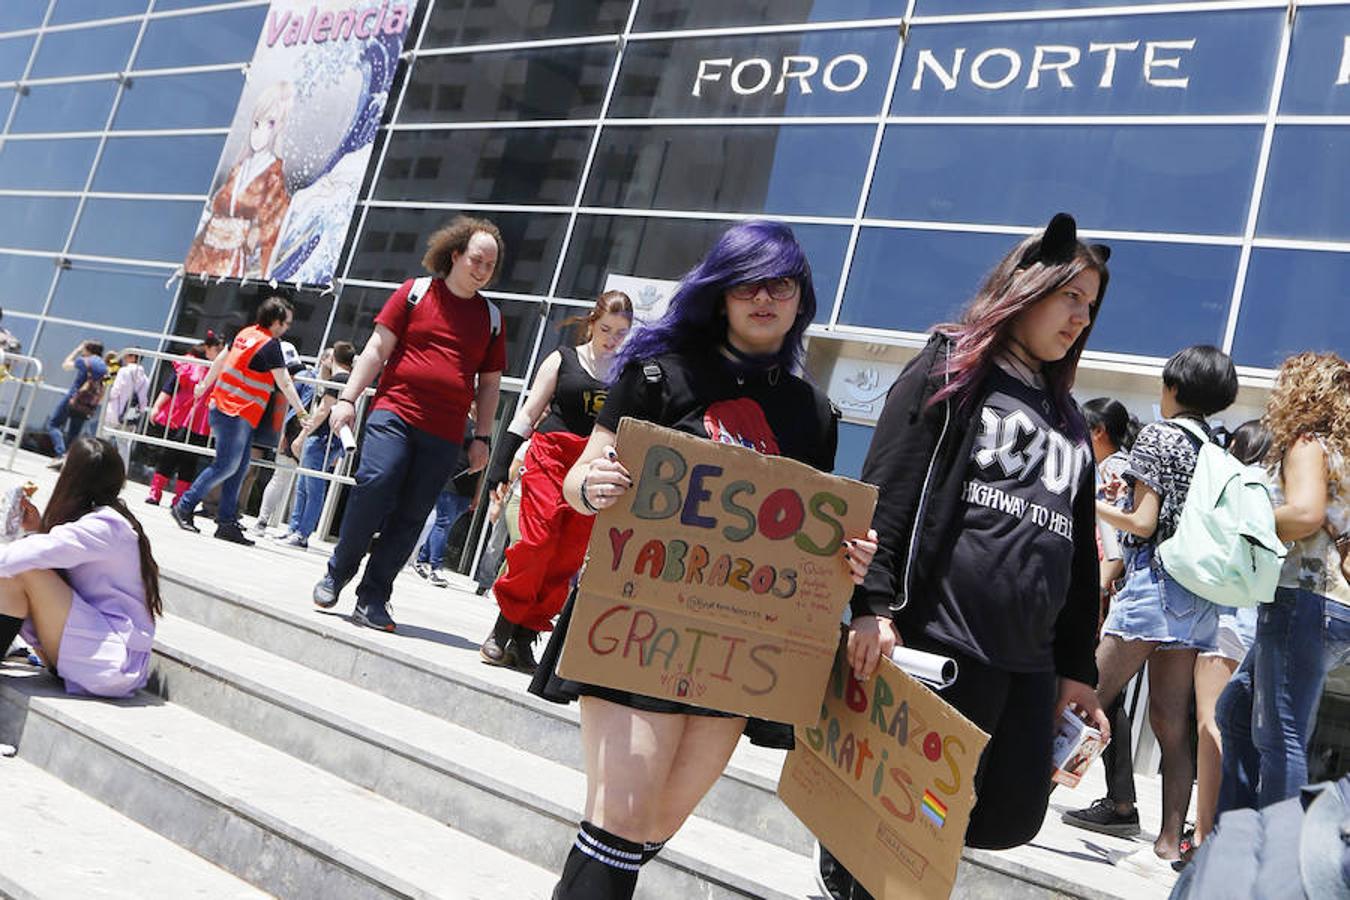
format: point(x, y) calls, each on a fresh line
point(522, 646)
point(498, 649)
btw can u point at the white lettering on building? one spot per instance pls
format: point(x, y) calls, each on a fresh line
point(840, 75)
point(998, 67)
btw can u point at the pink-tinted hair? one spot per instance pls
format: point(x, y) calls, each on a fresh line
point(1012, 288)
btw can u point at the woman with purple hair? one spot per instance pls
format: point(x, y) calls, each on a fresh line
point(987, 551)
point(718, 365)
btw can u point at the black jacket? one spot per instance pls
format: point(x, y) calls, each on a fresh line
point(918, 460)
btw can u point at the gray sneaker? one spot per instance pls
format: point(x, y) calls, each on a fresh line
point(423, 569)
point(294, 540)
point(437, 577)
point(326, 592)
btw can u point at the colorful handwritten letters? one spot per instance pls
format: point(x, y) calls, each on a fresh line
point(719, 580)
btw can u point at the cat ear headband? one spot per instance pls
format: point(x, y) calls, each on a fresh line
point(1058, 244)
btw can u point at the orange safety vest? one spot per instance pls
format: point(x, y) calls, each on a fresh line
point(241, 391)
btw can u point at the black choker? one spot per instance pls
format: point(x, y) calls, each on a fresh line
point(752, 362)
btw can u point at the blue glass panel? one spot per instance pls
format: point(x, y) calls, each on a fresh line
point(1202, 64)
point(24, 282)
point(509, 85)
point(162, 5)
point(171, 165)
point(458, 23)
point(668, 248)
point(85, 50)
point(1293, 300)
point(1307, 183)
point(114, 295)
point(223, 37)
point(14, 54)
point(65, 107)
point(137, 229)
point(828, 73)
point(85, 10)
point(1175, 178)
point(672, 15)
point(35, 223)
point(952, 7)
point(60, 165)
point(911, 280)
point(746, 168)
point(204, 100)
point(56, 340)
point(1317, 78)
point(16, 14)
point(854, 440)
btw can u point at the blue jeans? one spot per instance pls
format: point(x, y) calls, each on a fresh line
point(449, 507)
point(64, 427)
point(233, 435)
point(322, 455)
point(1265, 714)
point(402, 470)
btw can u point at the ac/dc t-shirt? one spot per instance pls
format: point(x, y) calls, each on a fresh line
point(1013, 554)
point(769, 411)
point(577, 399)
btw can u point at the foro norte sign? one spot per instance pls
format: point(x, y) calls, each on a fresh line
point(745, 77)
point(719, 579)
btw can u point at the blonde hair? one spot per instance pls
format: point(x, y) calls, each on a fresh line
point(1311, 396)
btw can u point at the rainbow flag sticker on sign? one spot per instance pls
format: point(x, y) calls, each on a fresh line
point(934, 809)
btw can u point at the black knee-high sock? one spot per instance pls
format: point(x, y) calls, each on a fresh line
point(650, 849)
point(601, 866)
point(9, 630)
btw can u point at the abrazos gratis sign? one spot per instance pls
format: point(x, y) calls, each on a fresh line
point(298, 147)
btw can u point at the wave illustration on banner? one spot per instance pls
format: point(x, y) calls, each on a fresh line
point(301, 139)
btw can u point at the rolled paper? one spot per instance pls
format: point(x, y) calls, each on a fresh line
point(930, 668)
point(347, 438)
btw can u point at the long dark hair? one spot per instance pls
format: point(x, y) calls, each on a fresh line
point(1121, 427)
point(749, 251)
point(1033, 270)
point(93, 476)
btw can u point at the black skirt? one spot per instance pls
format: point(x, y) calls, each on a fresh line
point(549, 685)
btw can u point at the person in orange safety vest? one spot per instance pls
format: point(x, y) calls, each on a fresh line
point(241, 382)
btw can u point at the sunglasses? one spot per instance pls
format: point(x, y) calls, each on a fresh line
point(783, 288)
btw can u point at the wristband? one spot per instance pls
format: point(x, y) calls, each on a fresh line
point(586, 501)
point(345, 400)
point(485, 438)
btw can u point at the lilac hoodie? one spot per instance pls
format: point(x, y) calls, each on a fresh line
point(105, 648)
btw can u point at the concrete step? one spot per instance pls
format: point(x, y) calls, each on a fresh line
point(56, 843)
point(501, 792)
point(276, 822)
point(431, 664)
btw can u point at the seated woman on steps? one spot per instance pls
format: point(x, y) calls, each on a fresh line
point(83, 585)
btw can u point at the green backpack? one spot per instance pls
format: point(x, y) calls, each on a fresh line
point(1225, 548)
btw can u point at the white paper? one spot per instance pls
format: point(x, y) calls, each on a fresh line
point(347, 438)
point(938, 671)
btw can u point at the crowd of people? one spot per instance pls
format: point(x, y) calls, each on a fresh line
point(1042, 613)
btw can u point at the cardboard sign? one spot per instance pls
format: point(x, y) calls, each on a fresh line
point(718, 580)
point(885, 780)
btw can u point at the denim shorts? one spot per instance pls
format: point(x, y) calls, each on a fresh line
point(1151, 606)
point(1237, 631)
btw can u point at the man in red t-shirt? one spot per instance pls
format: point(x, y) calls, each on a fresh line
point(433, 356)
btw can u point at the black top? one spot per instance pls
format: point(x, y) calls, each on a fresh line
point(920, 460)
point(711, 397)
point(268, 357)
point(341, 378)
point(577, 398)
point(1013, 550)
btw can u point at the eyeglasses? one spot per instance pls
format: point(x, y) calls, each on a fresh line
point(784, 288)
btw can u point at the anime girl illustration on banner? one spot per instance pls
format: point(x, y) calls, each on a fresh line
point(301, 139)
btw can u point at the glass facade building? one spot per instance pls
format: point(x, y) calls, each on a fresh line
point(908, 143)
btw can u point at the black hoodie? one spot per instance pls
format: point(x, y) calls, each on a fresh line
point(919, 459)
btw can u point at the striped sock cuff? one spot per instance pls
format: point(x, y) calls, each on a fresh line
point(650, 849)
point(610, 849)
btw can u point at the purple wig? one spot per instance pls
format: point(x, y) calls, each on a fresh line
point(694, 320)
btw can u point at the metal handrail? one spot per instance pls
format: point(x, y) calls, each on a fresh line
point(138, 434)
point(29, 376)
